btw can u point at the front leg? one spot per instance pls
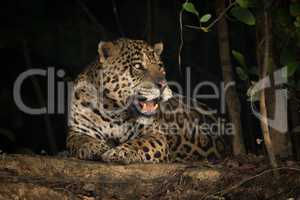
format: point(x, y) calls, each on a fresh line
point(86, 147)
point(147, 148)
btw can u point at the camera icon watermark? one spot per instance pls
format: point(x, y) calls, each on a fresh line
point(279, 122)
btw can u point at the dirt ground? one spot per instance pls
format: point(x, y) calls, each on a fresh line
point(249, 177)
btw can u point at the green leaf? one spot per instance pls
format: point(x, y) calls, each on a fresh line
point(295, 9)
point(292, 68)
point(189, 7)
point(241, 73)
point(239, 58)
point(253, 92)
point(243, 15)
point(246, 3)
point(243, 3)
point(297, 24)
point(205, 18)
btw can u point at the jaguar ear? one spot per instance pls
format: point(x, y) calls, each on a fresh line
point(106, 50)
point(158, 48)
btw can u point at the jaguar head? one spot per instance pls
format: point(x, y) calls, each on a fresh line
point(134, 75)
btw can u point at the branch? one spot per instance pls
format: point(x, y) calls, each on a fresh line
point(262, 101)
point(181, 40)
point(220, 16)
point(230, 189)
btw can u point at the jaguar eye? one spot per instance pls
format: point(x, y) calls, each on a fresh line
point(138, 66)
point(162, 70)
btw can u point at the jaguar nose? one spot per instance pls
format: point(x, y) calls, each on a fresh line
point(161, 83)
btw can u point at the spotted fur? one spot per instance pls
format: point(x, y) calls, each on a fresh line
point(105, 124)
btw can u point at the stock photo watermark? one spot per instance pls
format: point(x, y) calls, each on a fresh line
point(57, 103)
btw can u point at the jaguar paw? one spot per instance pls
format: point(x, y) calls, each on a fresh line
point(121, 156)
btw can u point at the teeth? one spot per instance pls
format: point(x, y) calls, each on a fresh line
point(144, 106)
point(148, 107)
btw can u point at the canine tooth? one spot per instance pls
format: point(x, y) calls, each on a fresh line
point(144, 106)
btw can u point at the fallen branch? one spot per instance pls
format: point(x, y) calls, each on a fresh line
point(230, 189)
point(33, 177)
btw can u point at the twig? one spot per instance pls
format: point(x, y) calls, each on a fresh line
point(181, 40)
point(286, 192)
point(198, 28)
point(172, 181)
point(194, 27)
point(220, 16)
point(207, 194)
point(262, 101)
point(226, 191)
point(261, 43)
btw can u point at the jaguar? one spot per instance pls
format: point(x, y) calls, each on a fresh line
point(123, 110)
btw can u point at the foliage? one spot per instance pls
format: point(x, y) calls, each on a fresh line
point(239, 58)
point(243, 15)
point(238, 9)
point(246, 74)
point(289, 25)
point(189, 7)
point(244, 3)
point(205, 18)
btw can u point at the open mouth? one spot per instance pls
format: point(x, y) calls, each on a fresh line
point(146, 107)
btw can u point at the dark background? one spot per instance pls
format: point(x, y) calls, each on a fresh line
point(65, 35)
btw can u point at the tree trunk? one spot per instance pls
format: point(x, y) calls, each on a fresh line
point(264, 63)
point(231, 97)
point(280, 139)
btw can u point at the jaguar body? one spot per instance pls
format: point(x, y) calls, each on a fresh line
point(122, 110)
